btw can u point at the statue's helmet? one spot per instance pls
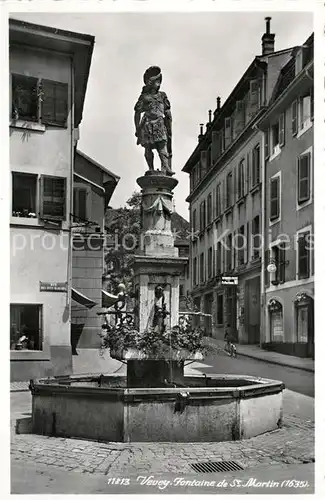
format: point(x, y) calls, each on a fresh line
point(152, 74)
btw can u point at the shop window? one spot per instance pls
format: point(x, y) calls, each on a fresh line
point(24, 192)
point(25, 327)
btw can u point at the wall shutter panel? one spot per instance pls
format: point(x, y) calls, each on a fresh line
point(281, 130)
point(52, 197)
point(303, 178)
point(274, 213)
point(54, 103)
point(294, 117)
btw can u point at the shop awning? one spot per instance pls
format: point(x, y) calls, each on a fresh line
point(82, 299)
point(108, 299)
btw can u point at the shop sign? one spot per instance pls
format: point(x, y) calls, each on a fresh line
point(53, 286)
point(229, 280)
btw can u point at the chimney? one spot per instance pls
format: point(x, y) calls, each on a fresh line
point(210, 115)
point(268, 39)
point(201, 131)
point(218, 103)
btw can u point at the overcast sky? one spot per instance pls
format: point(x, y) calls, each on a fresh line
point(202, 55)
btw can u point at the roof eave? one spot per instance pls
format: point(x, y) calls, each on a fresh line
point(78, 46)
point(300, 78)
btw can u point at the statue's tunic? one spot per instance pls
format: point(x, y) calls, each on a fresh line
point(152, 126)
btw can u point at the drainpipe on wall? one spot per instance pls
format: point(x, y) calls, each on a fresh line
point(263, 298)
point(72, 132)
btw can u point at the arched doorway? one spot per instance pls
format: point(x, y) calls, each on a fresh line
point(276, 321)
point(304, 313)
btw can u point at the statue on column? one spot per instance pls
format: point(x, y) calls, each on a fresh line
point(153, 121)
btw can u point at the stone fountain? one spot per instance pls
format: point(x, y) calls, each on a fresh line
point(155, 401)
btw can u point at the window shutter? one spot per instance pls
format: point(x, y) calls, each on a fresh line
point(52, 197)
point(267, 274)
point(247, 183)
point(80, 204)
point(267, 143)
point(214, 146)
point(54, 103)
point(303, 178)
point(312, 103)
point(203, 163)
point(228, 131)
point(274, 210)
point(303, 258)
point(294, 117)
point(281, 130)
point(239, 117)
point(253, 98)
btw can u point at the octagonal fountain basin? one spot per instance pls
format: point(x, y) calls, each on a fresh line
point(206, 409)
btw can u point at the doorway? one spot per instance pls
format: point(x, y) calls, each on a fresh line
point(252, 310)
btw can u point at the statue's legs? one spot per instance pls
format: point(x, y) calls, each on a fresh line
point(164, 158)
point(148, 153)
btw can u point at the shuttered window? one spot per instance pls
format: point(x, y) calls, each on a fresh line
point(52, 197)
point(80, 204)
point(25, 98)
point(210, 262)
point(267, 143)
point(218, 257)
point(229, 190)
point(209, 208)
point(281, 129)
point(275, 198)
point(218, 200)
point(294, 117)
point(241, 179)
point(256, 167)
point(303, 255)
point(54, 103)
point(228, 132)
point(202, 273)
point(303, 178)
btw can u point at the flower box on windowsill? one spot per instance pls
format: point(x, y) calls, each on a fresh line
point(27, 125)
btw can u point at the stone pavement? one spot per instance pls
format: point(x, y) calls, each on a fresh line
point(29, 478)
point(254, 351)
point(292, 444)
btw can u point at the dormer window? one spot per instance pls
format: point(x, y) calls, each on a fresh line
point(299, 61)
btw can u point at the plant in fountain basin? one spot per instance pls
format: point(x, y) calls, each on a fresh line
point(124, 336)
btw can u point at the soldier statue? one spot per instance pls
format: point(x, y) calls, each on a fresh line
point(154, 128)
